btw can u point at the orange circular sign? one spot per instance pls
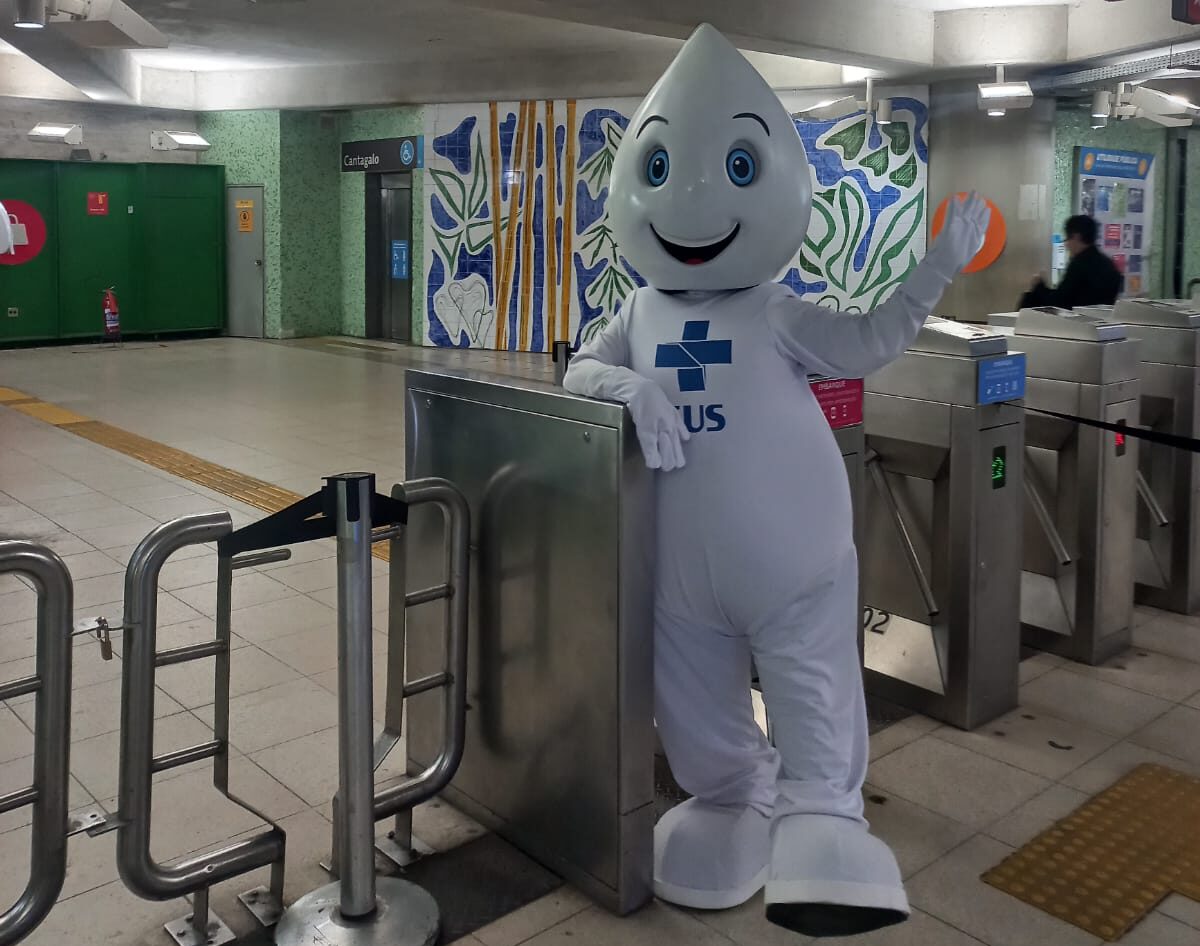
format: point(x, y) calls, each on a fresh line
point(993, 242)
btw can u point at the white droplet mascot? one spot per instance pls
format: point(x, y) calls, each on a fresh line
point(711, 194)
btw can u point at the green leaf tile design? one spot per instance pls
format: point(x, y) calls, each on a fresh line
point(850, 140)
point(906, 174)
point(877, 161)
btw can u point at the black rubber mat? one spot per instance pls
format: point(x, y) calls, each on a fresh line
point(474, 885)
point(479, 882)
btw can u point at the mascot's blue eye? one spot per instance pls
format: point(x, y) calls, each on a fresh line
point(657, 168)
point(740, 166)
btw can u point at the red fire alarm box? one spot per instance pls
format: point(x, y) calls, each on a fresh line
point(1186, 11)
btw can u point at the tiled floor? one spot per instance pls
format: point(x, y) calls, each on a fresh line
point(952, 804)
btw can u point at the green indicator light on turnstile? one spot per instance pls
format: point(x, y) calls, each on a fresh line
point(999, 468)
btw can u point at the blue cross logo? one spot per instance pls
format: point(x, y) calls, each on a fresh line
point(692, 356)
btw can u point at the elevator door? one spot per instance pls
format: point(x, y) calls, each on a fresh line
point(396, 272)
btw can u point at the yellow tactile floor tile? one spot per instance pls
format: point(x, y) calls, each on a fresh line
point(50, 413)
point(11, 394)
point(1107, 865)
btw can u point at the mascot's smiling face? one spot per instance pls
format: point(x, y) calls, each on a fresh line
point(710, 187)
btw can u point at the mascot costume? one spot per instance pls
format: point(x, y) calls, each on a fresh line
point(711, 194)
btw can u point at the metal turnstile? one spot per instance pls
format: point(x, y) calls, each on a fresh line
point(1167, 548)
point(1077, 582)
point(942, 537)
point(559, 756)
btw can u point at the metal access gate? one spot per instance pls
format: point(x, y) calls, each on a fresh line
point(51, 684)
point(360, 908)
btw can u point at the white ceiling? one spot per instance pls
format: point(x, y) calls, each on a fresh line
point(331, 53)
point(942, 5)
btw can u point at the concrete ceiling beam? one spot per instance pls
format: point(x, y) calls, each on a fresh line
point(1098, 29)
point(103, 75)
point(434, 82)
point(852, 32)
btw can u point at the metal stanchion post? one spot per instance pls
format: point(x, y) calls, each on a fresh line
point(359, 908)
point(356, 789)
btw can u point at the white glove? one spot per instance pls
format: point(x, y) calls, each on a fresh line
point(961, 238)
point(962, 235)
point(660, 428)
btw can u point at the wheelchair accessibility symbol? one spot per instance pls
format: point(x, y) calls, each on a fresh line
point(407, 152)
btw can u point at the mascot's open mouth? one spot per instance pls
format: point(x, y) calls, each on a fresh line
point(698, 254)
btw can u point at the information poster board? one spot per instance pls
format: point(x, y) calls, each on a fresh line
point(1117, 189)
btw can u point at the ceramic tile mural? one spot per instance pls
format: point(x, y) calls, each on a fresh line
point(518, 251)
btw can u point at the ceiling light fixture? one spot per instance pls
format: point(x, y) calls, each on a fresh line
point(56, 133)
point(1000, 95)
point(996, 112)
point(843, 105)
point(178, 141)
point(30, 15)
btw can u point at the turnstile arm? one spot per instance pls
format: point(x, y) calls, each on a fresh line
point(879, 478)
point(1151, 501)
point(1037, 503)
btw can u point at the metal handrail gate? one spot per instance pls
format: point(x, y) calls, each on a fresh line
point(51, 686)
point(141, 873)
point(399, 800)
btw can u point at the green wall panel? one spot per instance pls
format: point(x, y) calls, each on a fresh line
point(96, 252)
point(310, 252)
point(32, 287)
point(182, 213)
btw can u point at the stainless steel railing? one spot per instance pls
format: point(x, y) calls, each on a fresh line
point(141, 873)
point(51, 686)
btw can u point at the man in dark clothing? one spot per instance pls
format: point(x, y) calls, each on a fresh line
point(1091, 277)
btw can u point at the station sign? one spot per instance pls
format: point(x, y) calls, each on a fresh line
point(383, 155)
point(1001, 378)
point(840, 399)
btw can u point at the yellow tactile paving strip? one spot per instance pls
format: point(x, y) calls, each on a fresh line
point(1107, 865)
point(220, 479)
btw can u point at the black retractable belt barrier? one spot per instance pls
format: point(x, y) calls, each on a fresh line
point(1141, 433)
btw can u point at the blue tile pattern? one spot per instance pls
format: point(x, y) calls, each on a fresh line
point(867, 231)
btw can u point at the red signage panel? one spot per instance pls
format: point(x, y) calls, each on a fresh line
point(97, 205)
point(28, 232)
point(841, 401)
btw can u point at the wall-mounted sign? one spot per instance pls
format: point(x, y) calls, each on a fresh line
point(993, 241)
point(400, 265)
point(1117, 189)
point(245, 213)
point(1186, 11)
point(28, 232)
point(383, 155)
point(97, 204)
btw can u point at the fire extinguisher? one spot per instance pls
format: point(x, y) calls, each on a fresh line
point(112, 314)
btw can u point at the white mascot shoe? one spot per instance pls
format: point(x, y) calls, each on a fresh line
point(831, 877)
point(710, 857)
